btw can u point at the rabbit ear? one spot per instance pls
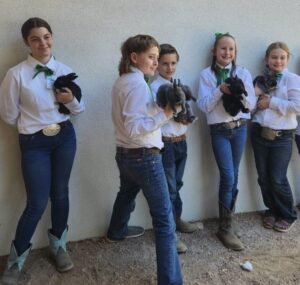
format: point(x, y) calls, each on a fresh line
point(72, 76)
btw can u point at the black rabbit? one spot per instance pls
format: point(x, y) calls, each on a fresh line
point(67, 81)
point(233, 103)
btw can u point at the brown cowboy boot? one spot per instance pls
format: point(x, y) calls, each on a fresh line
point(226, 234)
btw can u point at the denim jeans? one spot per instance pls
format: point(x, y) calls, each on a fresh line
point(228, 146)
point(297, 140)
point(272, 159)
point(145, 171)
point(174, 157)
point(46, 166)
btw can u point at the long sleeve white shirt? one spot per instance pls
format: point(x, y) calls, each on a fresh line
point(284, 105)
point(298, 126)
point(136, 117)
point(29, 102)
point(210, 97)
point(171, 128)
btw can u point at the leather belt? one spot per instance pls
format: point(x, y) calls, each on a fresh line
point(174, 139)
point(138, 151)
point(274, 133)
point(231, 124)
point(52, 129)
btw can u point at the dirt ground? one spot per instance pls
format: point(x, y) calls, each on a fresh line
point(275, 258)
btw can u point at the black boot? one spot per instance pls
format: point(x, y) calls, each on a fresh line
point(226, 234)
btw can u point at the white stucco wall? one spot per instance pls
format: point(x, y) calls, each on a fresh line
point(87, 36)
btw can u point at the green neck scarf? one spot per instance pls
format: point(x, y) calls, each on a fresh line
point(222, 74)
point(147, 79)
point(40, 68)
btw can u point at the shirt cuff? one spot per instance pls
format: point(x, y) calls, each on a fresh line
point(217, 93)
point(73, 104)
point(274, 103)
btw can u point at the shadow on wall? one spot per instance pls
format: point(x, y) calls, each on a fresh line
point(13, 191)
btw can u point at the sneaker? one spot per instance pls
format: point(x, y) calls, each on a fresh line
point(180, 246)
point(283, 226)
point(132, 232)
point(269, 221)
point(185, 227)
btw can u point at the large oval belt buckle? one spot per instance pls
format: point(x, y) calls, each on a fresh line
point(51, 130)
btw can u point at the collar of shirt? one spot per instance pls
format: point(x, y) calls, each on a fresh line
point(229, 66)
point(33, 62)
point(136, 70)
point(162, 79)
point(285, 71)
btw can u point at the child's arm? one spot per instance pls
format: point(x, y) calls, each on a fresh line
point(291, 103)
point(251, 99)
point(208, 94)
point(9, 99)
point(136, 108)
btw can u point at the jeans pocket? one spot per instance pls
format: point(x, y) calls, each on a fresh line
point(25, 139)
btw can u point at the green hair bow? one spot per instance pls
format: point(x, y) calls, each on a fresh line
point(218, 35)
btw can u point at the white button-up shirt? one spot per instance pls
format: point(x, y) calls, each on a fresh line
point(298, 126)
point(171, 128)
point(136, 117)
point(30, 102)
point(210, 97)
point(284, 105)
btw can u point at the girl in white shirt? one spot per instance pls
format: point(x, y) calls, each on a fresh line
point(272, 137)
point(228, 133)
point(47, 142)
point(138, 121)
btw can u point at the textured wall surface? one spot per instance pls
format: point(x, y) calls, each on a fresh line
point(87, 37)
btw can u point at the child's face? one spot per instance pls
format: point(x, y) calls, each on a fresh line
point(146, 61)
point(225, 51)
point(277, 60)
point(167, 65)
point(40, 43)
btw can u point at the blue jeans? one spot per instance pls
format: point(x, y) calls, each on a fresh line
point(228, 146)
point(174, 157)
point(145, 171)
point(272, 159)
point(46, 166)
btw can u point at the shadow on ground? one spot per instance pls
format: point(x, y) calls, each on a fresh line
point(275, 258)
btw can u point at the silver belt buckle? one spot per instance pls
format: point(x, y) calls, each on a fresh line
point(230, 125)
point(51, 130)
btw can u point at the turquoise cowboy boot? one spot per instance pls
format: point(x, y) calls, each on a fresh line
point(14, 266)
point(59, 252)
